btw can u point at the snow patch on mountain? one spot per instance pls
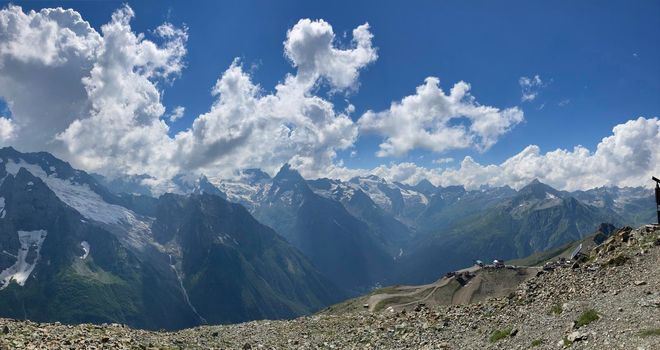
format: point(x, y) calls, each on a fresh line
point(3, 212)
point(371, 186)
point(287, 197)
point(86, 248)
point(377, 189)
point(413, 197)
point(338, 191)
point(237, 191)
point(248, 194)
point(26, 258)
point(226, 239)
point(78, 196)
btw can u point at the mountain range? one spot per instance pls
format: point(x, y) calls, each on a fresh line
point(72, 251)
point(427, 230)
point(77, 247)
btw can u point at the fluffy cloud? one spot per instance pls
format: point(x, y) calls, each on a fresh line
point(433, 120)
point(176, 114)
point(43, 57)
point(310, 48)
point(98, 104)
point(7, 132)
point(248, 128)
point(443, 160)
point(123, 131)
point(626, 158)
point(51, 36)
point(530, 87)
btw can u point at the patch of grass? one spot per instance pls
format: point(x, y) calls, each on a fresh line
point(499, 334)
point(586, 317)
point(386, 290)
point(567, 342)
point(537, 342)
point(555, 309)
point(650, 333)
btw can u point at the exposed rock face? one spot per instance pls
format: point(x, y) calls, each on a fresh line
point(597, 305)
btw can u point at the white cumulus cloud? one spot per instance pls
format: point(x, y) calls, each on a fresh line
point(433, 120)
point(89, 97)
point(248, 128)
point(310, 46)
point(7, 131)
point(628, 157)
point(123, 130)
point(43, 57)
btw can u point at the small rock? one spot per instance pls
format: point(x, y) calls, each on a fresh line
point(640, 283)
point(5, 329)
point(577, 336)
point(247, 346)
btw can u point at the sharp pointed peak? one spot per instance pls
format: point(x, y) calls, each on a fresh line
point(424, 182)
point(538, 189)
point(288, 173)
point(536, 183)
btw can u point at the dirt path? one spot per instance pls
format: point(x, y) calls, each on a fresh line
point(377, 298)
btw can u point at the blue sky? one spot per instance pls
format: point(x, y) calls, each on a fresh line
point(599, 61)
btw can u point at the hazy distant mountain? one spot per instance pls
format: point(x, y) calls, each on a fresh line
point(359, 204)
point(344, 248)
point(449, 206)
point(635, 205)
point(517, 224)
point(404, 202)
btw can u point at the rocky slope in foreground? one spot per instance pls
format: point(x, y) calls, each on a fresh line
point(611, 301)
